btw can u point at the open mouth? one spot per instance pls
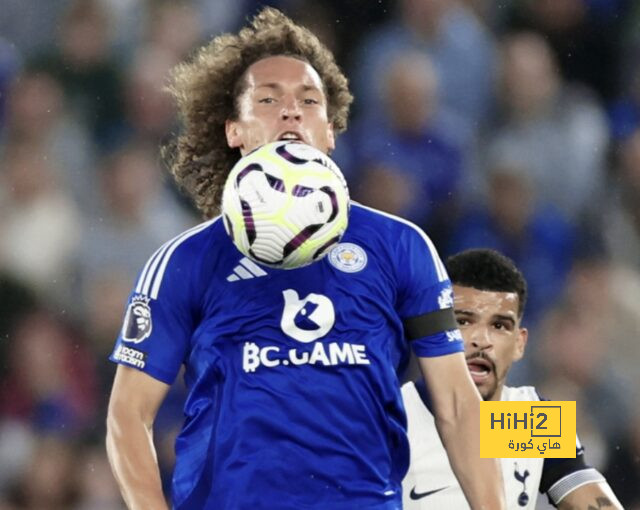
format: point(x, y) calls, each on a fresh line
point(479, 368)
point(291, 136)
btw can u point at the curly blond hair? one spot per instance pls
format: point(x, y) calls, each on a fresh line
point(206, 89)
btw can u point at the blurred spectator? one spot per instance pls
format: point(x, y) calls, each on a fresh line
point(37, 115)
point(516, 222)
point(461, 48)
point(50, 482)
point(623, 471)
point(84, 64)
point(588, 350)
point(149, 112)
point(39, 224)
point(127, 22)
point(621, 218)
point(50, 381)
point(30, 25)
point(408, 152)
point(559, 132)
point(584, 36)
point(220, 17)
point(573, 362)
point(174, 26)
point(610, 292)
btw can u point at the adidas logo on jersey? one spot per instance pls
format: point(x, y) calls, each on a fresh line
point(246, 270)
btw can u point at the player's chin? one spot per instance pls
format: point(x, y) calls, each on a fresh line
point(486, 384)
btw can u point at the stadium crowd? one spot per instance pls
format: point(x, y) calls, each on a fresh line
point(510, 124)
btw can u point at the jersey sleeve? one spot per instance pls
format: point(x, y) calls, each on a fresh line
point(159, 317)
point(425, 298)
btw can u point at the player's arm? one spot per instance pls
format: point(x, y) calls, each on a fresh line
point(135, 399)
point(591, 496)
point(456, 407)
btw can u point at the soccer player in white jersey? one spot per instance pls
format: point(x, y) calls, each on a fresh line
point(293, 375)
point(489, 299)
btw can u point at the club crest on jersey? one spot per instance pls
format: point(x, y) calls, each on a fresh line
point(137, 321)
point(348, 257)
point(308, 319)
point(445, 299)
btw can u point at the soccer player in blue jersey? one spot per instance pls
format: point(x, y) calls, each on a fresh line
point(490, 295)
point(293, 375)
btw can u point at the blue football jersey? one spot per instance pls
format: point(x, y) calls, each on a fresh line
point(293, 375)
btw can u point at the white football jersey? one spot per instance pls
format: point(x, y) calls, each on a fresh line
point(431, 484)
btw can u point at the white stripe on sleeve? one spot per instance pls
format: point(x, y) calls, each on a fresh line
point(157, 279)
point(440, 269)
point(573, 481)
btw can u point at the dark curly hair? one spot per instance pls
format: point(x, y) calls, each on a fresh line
point(206, 89)
point(485, 269)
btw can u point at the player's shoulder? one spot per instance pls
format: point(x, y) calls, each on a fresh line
point(197, 240)
point(179, 255)
point(514, 393)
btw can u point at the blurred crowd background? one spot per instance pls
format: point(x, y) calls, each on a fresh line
point(512, 124)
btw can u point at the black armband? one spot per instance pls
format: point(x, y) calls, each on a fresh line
point(430, 323)
point(556, 469)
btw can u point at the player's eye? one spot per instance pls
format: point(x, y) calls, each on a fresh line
point(310, 101)
point(266, 100)
point(502, 326)
point(462, 321)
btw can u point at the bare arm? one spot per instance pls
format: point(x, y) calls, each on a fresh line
point(592, 496)
point(135, 399)
point(456, 405)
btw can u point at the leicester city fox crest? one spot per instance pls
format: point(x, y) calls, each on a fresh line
point(137, 321)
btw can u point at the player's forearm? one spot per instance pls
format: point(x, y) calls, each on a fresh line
point(133, 461)
point(480, 479)
point(590, 496)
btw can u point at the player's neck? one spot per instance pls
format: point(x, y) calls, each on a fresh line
point(497, 395)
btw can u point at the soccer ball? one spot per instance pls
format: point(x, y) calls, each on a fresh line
point(285, 204)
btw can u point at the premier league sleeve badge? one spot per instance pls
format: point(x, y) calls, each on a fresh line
point(137, 321)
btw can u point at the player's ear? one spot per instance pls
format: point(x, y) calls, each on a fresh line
point(233, 132)
point(521, 344)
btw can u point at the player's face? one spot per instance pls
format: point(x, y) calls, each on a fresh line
point(283, 99)
point(493, 338)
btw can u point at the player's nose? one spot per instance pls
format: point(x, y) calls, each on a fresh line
point(481, 338)
point(290, 109)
